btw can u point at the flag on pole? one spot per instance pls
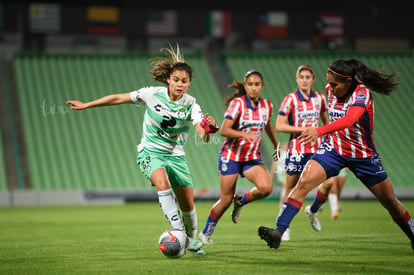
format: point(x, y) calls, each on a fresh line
point(272, 24)
point(217, 23)
point(329, 25)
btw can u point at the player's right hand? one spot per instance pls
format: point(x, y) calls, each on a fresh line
point(76, 104)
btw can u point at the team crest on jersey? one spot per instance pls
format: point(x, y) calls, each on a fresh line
point(181, 113)
point(320, 151)
point(361, 97)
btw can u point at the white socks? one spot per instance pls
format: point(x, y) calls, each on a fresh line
point(190, 223)
point(169, 208)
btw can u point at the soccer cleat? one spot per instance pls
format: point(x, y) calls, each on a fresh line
point(196, 247)
point(199, 252)
point(313, 217)
point(235, 215)
point(335, 215)
point(286, 235)
point(205, 239)
point(195, 244)
point(271, 236)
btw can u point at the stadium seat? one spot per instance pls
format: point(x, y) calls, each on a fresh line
point(393, 129)
point(95, 149)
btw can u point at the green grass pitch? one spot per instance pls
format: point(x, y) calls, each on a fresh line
point(123, 239)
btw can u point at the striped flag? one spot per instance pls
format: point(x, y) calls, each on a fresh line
point(217, 23)
point(162, 22)
point(272, 24)
point(329, 25)
point(103, 20)
point(44, 17)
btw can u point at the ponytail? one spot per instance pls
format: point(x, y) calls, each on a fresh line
point(376, 81)
point(239, 86)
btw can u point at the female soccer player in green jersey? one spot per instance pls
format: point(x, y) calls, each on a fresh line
point(161, 158)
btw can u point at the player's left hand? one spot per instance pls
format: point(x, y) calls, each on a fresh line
point(209, 124)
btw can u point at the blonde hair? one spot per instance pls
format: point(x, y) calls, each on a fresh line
point(162, 67)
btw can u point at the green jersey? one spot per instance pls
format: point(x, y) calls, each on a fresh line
point(166, 123)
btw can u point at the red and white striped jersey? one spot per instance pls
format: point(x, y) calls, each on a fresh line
point(355, 141)
point(247, 119)
point(303, 112)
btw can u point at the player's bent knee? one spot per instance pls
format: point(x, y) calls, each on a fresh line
point(264, 191)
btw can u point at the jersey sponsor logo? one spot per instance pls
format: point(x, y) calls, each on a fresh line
point(336, 113)
point(304, 115)
point(158, 107)
point(251, 124)
point(168, 122)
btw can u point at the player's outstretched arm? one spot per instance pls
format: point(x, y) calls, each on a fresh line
point(108, 100)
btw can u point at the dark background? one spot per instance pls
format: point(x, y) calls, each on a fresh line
point(362, 20)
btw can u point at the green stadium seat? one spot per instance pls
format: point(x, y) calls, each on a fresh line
point(393, 128)
point(95, 149)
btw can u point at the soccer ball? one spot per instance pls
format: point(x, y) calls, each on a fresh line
point(173, 243)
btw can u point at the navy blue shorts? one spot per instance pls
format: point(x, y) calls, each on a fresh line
point(368, 170)
point(295, 162)
point(230, 167)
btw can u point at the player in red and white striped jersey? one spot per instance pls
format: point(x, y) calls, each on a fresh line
point(302, 108)
point(246, 118)
point(355, 141)
point(350, 84)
